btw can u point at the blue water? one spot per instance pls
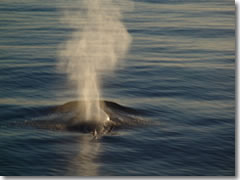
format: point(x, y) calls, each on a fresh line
point(180, 69)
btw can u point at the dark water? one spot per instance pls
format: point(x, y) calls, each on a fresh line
point(180, 70)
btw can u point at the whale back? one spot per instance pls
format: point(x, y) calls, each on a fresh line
point(68, 117)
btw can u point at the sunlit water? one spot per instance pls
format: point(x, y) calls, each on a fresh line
point(180, 69)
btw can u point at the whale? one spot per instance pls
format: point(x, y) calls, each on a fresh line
point(68, 117)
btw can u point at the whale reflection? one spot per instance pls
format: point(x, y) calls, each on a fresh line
point(85, 162)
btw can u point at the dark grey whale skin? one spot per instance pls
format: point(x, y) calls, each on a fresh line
point(120, 117)
point(105, 105)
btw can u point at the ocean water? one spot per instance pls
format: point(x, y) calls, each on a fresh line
point(180, 70)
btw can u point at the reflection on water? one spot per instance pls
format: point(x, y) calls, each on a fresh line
point(85, 162)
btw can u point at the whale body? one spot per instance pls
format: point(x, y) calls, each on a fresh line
point(68, 117)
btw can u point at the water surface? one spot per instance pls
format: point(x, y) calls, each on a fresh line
point(180, 69)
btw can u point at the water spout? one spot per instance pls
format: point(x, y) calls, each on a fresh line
point(98, 41)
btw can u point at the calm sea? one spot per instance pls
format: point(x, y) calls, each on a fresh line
point(180, 69)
